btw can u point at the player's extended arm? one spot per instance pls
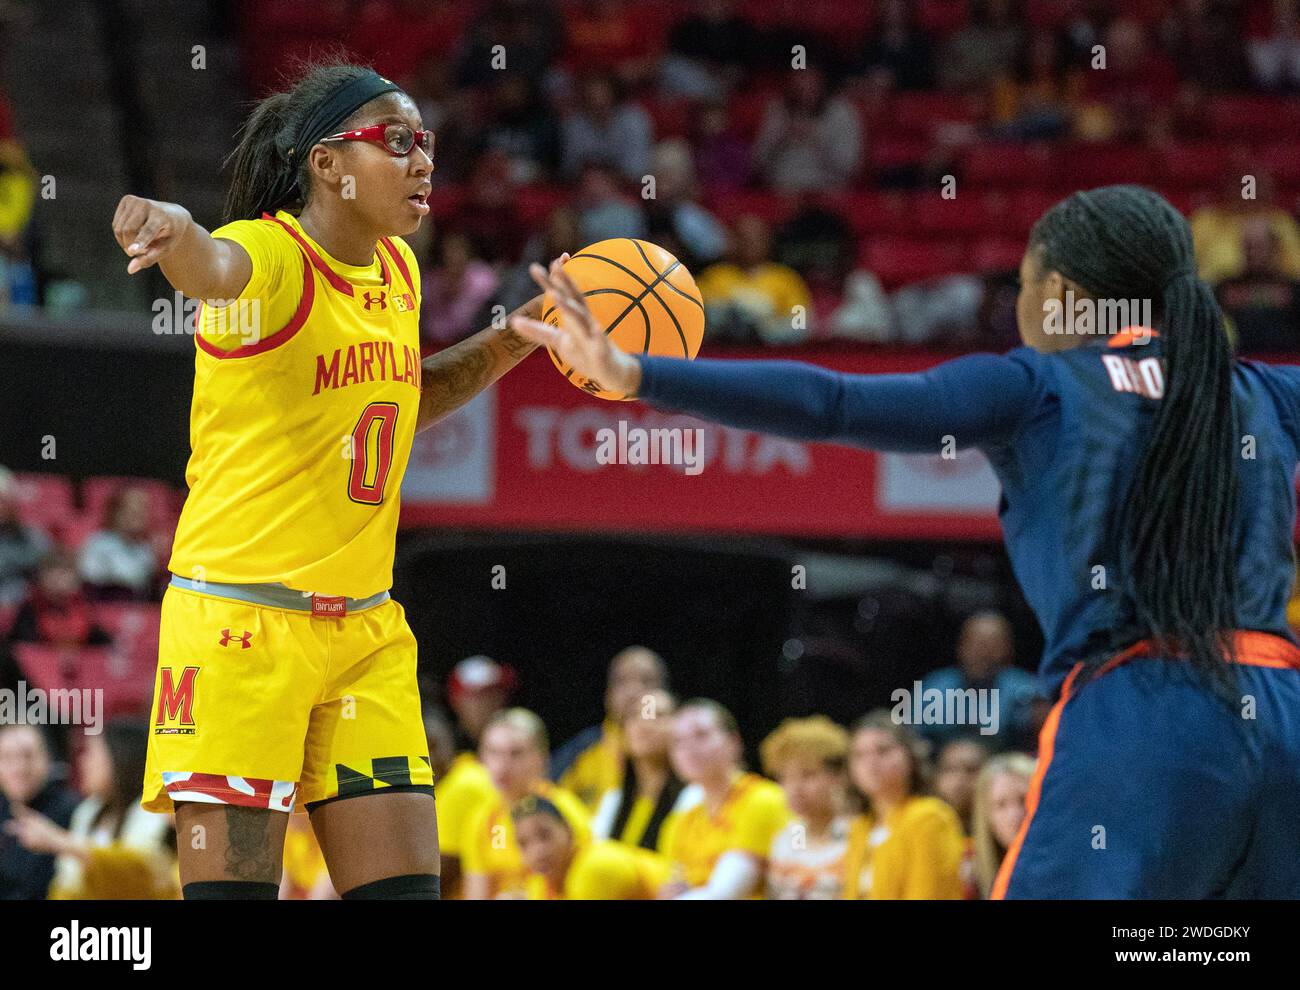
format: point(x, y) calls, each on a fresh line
point(197, 264)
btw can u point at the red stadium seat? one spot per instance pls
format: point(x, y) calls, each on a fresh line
point(45, 500)
point(1025, 209)
point(998, 255)
point(968, 214)
point(1188, 165)
point(894, 152)
point(1280, 160)
point(1083, 166)
point(1003, 166)
point(48, 667)
point(876, 212)
point(897, 261)
point(919, 113)
point(537, 203)
point(134, 628)
point(164, 500)
point(1247, 117)
point(941, 16)
point(729, 204)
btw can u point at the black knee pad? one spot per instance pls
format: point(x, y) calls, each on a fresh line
point(409, 887)
point(230, 890)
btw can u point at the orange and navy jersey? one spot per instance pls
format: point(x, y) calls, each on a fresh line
point(306, 392)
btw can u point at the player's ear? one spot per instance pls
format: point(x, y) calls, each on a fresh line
point(326, 164)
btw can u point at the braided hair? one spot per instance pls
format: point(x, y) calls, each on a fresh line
point(1177, 526)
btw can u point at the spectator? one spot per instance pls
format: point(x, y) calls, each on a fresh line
point(641, 810)
point(523, 128)
point(1205, 42)
point(18, 184)
point(807, 757)
point(613, 33)
point(1128, 98)
point(112, 848)
point(721, 153)
point(905, 846)
point(864, 313)
point(999, 812)
point(120, 561)
point(752, 299)
point(607, 128)
point(808, 138)
point(1218, 229)
point(490, 216)
point(603, 210)
point(561, 234)
point(455, 291)
point(898, 49)
point(591, 763)
point(56, 610)
point(678, 223)
point(709, 52)
point(514, 751)
point(562, 866)
point(985, 648)
point(719, 847)
point(527, 33)
point(975, 56)
point(818, 243)
point(1036, 102)
point(960, 762)
point(1263, 303)
point(1274, 44)
point(21, 546)
point(28, 782)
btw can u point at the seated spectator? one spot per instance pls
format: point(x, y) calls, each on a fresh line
point(905, 846)
point(675, 214)
point(1205, 42)
point(478, 688)
point(28, 781)
point(807, 757)
point(1262, 303)
point(18, 185)
point(530, 32)
point(120, 560)
point(489, 216)
point(719, 847)
point(641, 810)
point(999, 812)
point(809, 139)
point(591, 763)
point(112, 848)
point(601, 34)
point(562, 866)
point(607, 128)
point(959, 765)
point(561, 234)
point(721, 153)
point(1128, 99)
point(864, 313)
point(456, 291)
point(56, 610)
point(818, 243)
point(985, 649)
point(1273, 47)
point(21, 546)
point(523, 128)
point(514, 750)
point(976, 55)
point(898, 49)
point(710, 51)
point(750, 298)
point(604, 210)
point(1037, 100)
point(1218, 230)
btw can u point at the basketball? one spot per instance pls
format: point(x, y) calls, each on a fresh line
point(644, 298)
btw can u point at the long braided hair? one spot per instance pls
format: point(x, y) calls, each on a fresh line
point(1177, 525)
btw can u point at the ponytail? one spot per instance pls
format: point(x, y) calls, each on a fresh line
point(1177, 527)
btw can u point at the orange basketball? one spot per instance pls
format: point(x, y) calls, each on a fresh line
point(644, 298)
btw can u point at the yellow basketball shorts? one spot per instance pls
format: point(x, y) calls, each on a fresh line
point(258, 706)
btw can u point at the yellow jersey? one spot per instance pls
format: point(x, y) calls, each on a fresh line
point(464, 787)
point(914, 855)
point(488, 845)
point(606, 871)
point(598, 768)
point(306, 393)
point(750, 817)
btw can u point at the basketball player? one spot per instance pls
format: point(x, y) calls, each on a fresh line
point(286, 673)
point(1148, 508)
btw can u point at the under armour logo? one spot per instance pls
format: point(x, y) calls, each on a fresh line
point(370, 299)
point(245, 641)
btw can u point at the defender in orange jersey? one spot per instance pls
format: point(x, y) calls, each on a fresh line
point(286, 673)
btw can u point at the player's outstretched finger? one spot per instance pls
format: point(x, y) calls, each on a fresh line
point(147, 257)
point(146, 235)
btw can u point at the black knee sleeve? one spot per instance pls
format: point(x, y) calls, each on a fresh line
point(409, 887)
point(230, 890)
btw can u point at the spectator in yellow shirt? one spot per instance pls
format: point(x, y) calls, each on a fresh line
point(719, 847)
point(591, 763)
point(905, 846)
point(305, 876)
point(461, 784)
point(1218, 229)
point(564, 867)
point(640, 810)
point(514, 750)
point(750, 298)
point(1000, 795)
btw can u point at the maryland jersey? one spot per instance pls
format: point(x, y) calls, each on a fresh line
point(306, 392)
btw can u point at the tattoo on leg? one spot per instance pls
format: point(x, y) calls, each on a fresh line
point(248, 844)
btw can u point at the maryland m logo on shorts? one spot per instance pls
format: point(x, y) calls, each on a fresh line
point(174, 708)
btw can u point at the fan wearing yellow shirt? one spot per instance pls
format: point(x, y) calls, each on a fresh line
point(719, 847)
point(591, 763)
point(514, 750)
point(751, 295)
point(906, 846)
point(286, 672)
point(564, 867)
point(462, 784)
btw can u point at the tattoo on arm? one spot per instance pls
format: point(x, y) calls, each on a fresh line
point(248, 844)
point(454, 376)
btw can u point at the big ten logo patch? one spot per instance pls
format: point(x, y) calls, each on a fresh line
point(174, 715)
point(404, 302)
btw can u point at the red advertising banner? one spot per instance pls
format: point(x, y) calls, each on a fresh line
point(534, 453)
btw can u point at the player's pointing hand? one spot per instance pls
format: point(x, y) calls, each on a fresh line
point(578, 340)
point(148, 230)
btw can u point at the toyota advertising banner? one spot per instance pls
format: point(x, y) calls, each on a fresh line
point(536, 453)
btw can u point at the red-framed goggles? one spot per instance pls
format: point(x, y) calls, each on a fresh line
point(396, 139)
